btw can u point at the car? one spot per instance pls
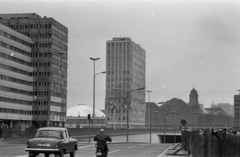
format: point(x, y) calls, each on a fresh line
point(52, 140)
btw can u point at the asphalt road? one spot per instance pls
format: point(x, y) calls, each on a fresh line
point(88, 150)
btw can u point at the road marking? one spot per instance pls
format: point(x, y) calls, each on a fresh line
point(131, 147)
point(113, 151)
point(13, 147)
point(85, 147)
point(164, 152)
point(22, 156)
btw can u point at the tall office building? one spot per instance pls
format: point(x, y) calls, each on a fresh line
point(15, 78)
point(125, 83)
point(49, 62)
point(237, 111)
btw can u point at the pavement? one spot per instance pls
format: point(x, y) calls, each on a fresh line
point(171, 152)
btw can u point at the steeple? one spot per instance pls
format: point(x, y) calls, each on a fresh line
point(193, 97)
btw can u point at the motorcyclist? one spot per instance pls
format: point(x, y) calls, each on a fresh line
point(102, 139)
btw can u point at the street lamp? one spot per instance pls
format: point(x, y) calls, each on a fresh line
point(94, 59)
point(150, 127)
point(149, 95)
point(128, 92)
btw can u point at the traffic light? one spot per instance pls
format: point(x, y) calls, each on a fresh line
point(88, 116)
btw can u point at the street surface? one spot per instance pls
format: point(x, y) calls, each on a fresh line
point(88, 150)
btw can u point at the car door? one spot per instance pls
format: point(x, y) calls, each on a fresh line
point(71, 143)
point(65, 141)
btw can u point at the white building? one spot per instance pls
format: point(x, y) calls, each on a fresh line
point(126, 73)
point(77, 117)
point(15, 79)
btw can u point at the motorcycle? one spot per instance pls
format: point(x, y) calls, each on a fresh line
point(100, 151)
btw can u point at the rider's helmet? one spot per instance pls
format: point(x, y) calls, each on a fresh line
point(101, 130)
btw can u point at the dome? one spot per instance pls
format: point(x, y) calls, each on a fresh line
point(193, 92)
point(83, 110)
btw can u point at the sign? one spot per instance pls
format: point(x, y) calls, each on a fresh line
point(183, 122)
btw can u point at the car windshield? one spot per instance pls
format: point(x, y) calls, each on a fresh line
point(48, 133)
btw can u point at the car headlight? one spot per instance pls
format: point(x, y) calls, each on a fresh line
point(28, 144)
point(56, 144)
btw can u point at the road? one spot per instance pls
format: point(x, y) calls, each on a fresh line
point(88, 150)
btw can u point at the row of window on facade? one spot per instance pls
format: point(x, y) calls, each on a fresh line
point(56, 43)
point(10, 47)
point(41, 64)
point(16, 70)
point(123, 44)
point(119, 118)
point(31, 93)
point(48, 45)
point(12, 37)
point(54, 32)
point(24, 102)
point(38, 23)
point(119, 72)
point(16, 111)
point(15, 80)
point(15, 59)
point(19, 81)
point(135, 48)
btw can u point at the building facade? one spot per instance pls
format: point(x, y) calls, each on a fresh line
point(170, 114)
point(15, 78)
point(237, 111)
point(49, 63)
point(226, 107)
point(125, 83)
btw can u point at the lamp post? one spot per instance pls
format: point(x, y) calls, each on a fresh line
point(94, 59)
point(78, 120)
point(150, 117)
point(149, 95)
point(149, 112)
point(128, 103)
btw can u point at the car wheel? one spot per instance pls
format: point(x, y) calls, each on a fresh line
point(32, 155)
point(61, 154)
point(72, 154)
point(46, 155)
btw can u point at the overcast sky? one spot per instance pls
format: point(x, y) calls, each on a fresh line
point(187, 43)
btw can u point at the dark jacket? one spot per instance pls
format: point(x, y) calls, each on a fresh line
point(102, 139)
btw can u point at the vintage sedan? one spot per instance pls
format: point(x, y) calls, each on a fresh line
point(52, 140)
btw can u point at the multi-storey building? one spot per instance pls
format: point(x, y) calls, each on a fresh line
point(237, 111)
point(228, 108)
point(49, 63)
point(125, 83)
point(15, 78)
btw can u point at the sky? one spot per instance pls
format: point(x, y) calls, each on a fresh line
point(188, 43)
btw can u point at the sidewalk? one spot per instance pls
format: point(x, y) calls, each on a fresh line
point(171, 152)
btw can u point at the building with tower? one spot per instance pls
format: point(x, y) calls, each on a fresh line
point(47, 67)
point(125, 83)
point(173, 111)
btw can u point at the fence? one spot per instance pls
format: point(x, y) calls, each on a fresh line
point(207, 144)
point(79, 133)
